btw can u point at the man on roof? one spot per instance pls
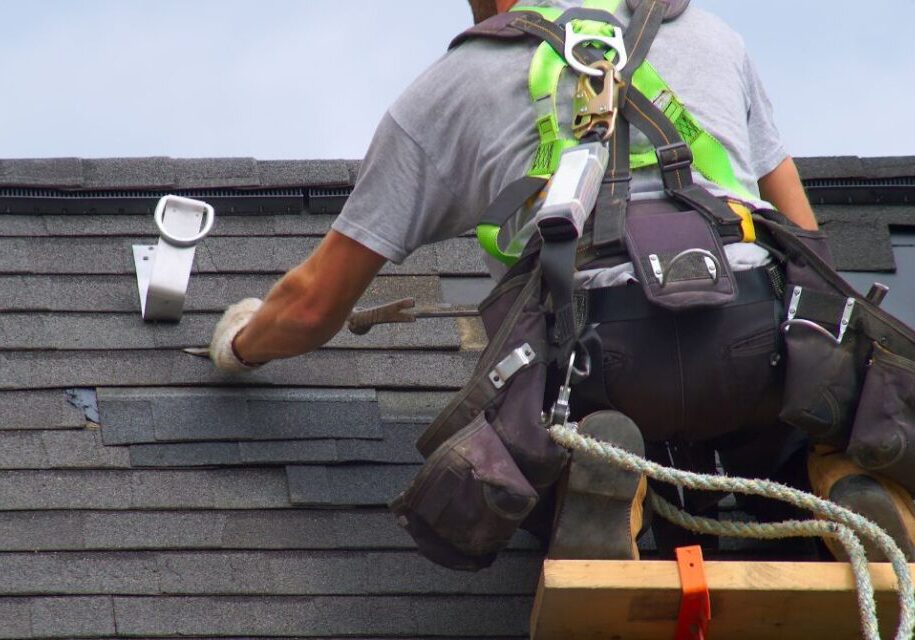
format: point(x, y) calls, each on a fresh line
point(465, 130)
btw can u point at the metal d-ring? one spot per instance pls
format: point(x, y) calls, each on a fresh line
point(159, 217)
point(615, 43)
point(708, 255)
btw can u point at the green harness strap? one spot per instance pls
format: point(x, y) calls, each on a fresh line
point(710, 158)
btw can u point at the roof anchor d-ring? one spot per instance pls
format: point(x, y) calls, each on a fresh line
point(164, 270)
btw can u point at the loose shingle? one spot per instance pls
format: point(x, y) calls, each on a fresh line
point(196, 454)
point(348, 485)
point(395, 447)
point(206, 292)
point(176, 415)
point(72, 617)
point(38, 410)
point(90, 489)
point(324, 368)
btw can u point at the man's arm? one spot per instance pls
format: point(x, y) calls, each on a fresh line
point(310, 304)
point(783, 189)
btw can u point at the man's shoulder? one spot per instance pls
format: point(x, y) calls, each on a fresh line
point(479, 77)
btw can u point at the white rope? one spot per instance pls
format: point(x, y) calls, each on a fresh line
point(841, 523)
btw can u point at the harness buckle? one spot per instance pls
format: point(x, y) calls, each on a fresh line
point(592, 108)
point(672, 157)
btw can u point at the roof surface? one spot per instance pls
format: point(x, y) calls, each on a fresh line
point(144, 494)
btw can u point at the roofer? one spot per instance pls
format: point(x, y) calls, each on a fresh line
point(696, 382)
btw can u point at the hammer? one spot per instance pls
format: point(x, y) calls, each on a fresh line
point(361, 321)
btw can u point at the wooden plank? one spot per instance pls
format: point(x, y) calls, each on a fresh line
point(625, 600)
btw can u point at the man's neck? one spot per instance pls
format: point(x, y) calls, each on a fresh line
point(504, 5)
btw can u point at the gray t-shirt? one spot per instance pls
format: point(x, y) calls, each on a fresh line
point(464, 130)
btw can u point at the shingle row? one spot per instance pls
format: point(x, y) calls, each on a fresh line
point(206, 291)
point(93, 530)
point(150, 415)
point(179, 173)
point(325, 368)
point(100, 256)
point(256, 573)
point(395, 447)
point(122, 331)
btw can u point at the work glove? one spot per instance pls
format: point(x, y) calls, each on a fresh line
point(236, 318)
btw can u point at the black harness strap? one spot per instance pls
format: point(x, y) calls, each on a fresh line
point(512, 198)
point(613, 199)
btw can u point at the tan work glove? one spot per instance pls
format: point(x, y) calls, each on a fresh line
point(233, 320)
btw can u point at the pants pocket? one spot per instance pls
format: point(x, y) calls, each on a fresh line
point(822, 386)
point(884, 425)
point(467, 501)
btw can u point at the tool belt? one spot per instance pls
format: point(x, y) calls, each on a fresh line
point(850, 379)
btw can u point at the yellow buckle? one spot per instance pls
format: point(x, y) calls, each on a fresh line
point(746, 219)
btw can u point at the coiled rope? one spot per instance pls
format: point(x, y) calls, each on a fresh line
point(840, 523)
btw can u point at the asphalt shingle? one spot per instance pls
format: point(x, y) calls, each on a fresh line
point(326, 368)
point(93, 489)
point(348, 485)
point(206, 292)
point(174, 415)
point(35, 409)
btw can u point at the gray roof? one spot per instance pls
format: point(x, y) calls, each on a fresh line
point(143, 494)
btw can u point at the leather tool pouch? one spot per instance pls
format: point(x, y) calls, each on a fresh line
point(467, 501)
point(489, 456)
point(883, 433)
point(678, 257)
point(822, 385)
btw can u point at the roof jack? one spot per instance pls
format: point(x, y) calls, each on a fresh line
point(163, 270)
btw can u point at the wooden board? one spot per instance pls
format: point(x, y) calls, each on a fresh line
point(617, 600)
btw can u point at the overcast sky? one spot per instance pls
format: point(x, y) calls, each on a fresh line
point(311, 78)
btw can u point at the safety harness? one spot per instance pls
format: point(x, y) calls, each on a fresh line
point(493, 455)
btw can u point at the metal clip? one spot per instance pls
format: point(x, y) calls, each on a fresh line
point(591, 108)
point(561, 410)
point(511, 364)
point(794, 321)
point(712, 265)
point(164, 270)
point(614, 43)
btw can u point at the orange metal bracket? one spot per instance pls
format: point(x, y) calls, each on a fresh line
point(695, 605)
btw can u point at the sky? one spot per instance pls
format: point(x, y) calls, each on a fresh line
point(298, 79)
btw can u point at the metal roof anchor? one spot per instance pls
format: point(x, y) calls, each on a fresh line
point(164, 270)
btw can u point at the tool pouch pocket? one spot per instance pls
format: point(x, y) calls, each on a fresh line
point(678, 257)
point(467, 501)
point(822, 385)
point(883, 435)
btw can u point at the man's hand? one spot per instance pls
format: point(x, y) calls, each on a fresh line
point(222, 350)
